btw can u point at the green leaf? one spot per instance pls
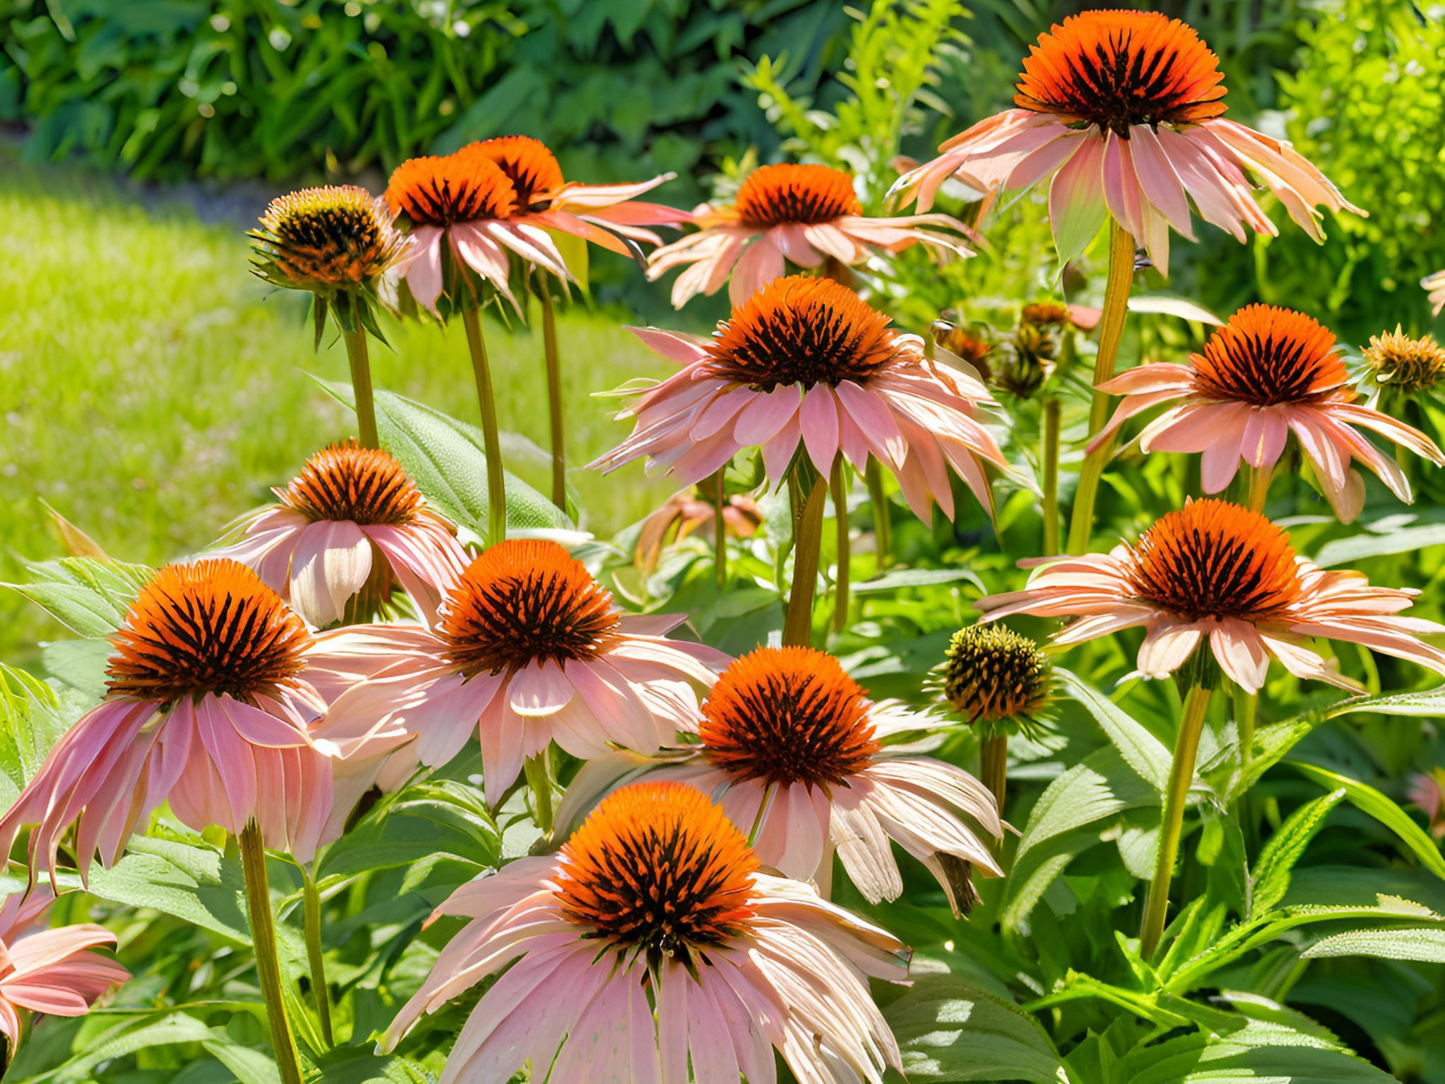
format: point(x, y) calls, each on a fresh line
point(1427, 703)
point(1271, 876)
point(1258, 1049)
point(31, 722)
point(949, 1029)
point(353, 1066)
point(1371, 801)
point(87, 596)
point(1141, 750)
point(193, 882)
point(1421, 944)
point(916, 577)
point(445, 458)
point(429, 821)
point(1348, 551)
point(1170, 305)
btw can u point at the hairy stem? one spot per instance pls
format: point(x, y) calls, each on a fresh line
point(491, 437)
point(1181, 774)
point(311, 908)
point(840, 515)
point(720, 527)
point(357, 354)
point(268, 964)
point(878, 505)
point(807, 542)
point(554, 400)
point(993, 766)
point(1111, 331)
point(1051, 476)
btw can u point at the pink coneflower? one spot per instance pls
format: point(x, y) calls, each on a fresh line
point(348, 525)
point(499, 198)
point(1218, 571)
point(650, 940)
point(208, 707)
point(793, 749)
point(528, 648)
point(1436, 285)
point(1266, 374)
point(784, 214)
point(807, 362)
point(1124, 110)
point(49, 971)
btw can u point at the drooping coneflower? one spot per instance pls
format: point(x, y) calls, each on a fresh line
point(999, 681)
point(1220, 572)
point(1266, 374)
point(651, 941)
point(50, 971)
point(1124, 111)
point(797, 755)
point(786, 214)
point(689, 511)
point(807, 363)
point(348, 525)
point(208, 708)
point(527, 649)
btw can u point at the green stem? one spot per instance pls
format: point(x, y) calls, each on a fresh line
point(1259, 479)
point(878, 505)
point(840, 516)
point(356, 353)
point(263, 942)
point(1111, 332)
point(554, 400)
point(491, 438)
point(807, 544)
point(993, 767)
point(720, 528)
point(1181, 774)
point(311, 908)
point(764, 803)
point(539, 778)
point(1052, 410)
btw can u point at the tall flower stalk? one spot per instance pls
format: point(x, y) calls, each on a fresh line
point(554, 398)
point(320, 988)
point(491, 433)
point(808, 492)
point(268, 963)
point(1111, 333)
point(838, 484)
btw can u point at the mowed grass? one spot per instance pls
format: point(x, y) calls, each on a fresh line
point(152, 389)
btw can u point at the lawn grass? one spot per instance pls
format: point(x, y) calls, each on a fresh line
point(152, 389)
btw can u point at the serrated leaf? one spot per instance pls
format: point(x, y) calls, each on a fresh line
point(31, 722)
point(193, 882)
point(1369, 800)
point(1271, 875)
point(1422, 945)
point(447, 460)
point(949, 1029)
point(1141, 750)
point(1257, 1049)
point(87, 596)
point(1427, 703)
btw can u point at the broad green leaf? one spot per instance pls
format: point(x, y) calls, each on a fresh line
point(445, 458)
point(89, 597)
point(31, 722)
point(575, 255)
point(948, 1029)
point(1377, 805)
point(1271, 875)
point(427, 821)
point(1141, 750)
point(1347, 551)
point(352, 1066)
point(1421, 944)
point(131, 1034)
point(1258, 1049)
point(80, 665)
point(194, 882)
point(1066, 820)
